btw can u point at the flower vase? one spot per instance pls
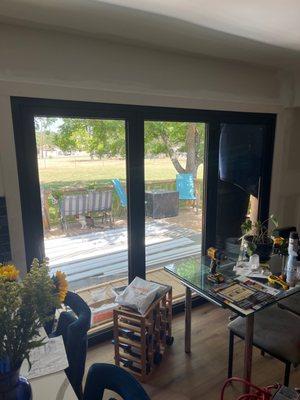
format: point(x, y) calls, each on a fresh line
point(14, 387)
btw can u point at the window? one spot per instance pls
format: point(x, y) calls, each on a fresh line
point(170, 165)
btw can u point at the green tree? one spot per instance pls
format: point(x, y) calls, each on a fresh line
point(95, 136)
point(174, 139)
point(107, 137)
point(71, 135)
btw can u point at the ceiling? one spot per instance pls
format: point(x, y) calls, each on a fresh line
point(261, 32)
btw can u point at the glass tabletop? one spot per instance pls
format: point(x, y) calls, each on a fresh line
point(240, 294)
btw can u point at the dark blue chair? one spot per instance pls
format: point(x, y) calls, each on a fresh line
point(291, 303)
point(276, 332)
point(111, 377)
point(73, 326)
point(120, 192)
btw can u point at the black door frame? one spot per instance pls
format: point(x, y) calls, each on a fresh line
point(25, 109)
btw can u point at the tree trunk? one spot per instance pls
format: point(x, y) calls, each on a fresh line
point(192, 142)
point(172, 154)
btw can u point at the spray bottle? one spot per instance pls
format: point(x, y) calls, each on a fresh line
point(293, 260)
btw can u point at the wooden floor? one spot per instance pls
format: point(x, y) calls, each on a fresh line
point(200, 376)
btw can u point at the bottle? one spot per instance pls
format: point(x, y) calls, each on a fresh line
point(293, 260)
point(293, 248)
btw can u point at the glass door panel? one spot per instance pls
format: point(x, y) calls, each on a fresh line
point(82, 173)
point(240, 170)
point(174, 157)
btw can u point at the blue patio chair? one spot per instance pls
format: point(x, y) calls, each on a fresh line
point(185, 186)
point(120, 192)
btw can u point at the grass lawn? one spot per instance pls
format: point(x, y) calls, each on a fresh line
point(62, 172)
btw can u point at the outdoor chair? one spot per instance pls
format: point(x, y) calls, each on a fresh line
point(72, 205)
point(100, 201)
point(185, 186)
point(73, 326)
point(96, 201)
point(276, 332)
point(120, 192)
point(111, 377)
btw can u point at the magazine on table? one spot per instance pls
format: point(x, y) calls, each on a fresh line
point(46, 359)
point(245, 294)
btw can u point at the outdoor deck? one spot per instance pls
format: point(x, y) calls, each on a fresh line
point(96, 264)
point(92, 258)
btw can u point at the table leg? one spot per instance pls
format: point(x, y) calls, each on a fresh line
point(248, 350)
point(188, 317)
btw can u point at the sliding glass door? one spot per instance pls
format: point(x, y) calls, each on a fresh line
point(242, 171)
point(241, 160)
point(174, 171)
point(82, 177)
point(109, 192)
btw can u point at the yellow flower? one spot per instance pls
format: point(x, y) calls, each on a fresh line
point(9, 272)
point(278, 241)
point(61, 285)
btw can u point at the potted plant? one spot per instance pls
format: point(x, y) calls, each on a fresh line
point(25, 306)
point(256, 238)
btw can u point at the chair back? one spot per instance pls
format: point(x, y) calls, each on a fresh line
point(120, 192)
point(111, 377)
point(99, 200)
point(73, 204)
point(185, 186)
point(73, 326)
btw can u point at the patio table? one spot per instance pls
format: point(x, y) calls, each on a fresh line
point(196, 281)
point(162, 203)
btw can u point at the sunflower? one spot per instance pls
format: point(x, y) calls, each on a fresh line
point(61, 285)
point(9, 272)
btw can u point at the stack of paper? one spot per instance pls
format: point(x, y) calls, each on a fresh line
point(245, 269)
point(46, 359)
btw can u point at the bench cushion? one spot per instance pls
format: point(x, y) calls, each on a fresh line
point(75, 204)
point(80, 204)
point(291, 303)
point(276, 331)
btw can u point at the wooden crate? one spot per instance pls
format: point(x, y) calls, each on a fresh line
point(141, 340)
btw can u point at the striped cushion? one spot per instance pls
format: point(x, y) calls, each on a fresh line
point(74, 204)
point(79, 204)
point(99, 201)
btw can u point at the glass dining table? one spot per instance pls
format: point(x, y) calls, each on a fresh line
point(242, 295)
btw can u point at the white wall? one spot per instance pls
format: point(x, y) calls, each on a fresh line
point(36, 63)
point(52, 58)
